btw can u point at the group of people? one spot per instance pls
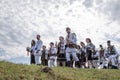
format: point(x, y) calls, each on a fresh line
point(68, 53)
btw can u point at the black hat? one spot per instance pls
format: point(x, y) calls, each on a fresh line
point(67, 28)
point(100, 45)
point(108, 41)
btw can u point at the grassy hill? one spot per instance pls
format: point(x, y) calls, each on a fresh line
point(10, 71)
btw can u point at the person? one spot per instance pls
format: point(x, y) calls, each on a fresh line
point(90, 51)
point(44, 57)
point(71, 48)
point(61, 52)
point(31, 51)
point(52, 55)
point(101, 53)
point(119, 61)
point(83, 54)
point(113, 54)
point(38, 51)
point(102, 58)
point(95, 60)
point(78, 52)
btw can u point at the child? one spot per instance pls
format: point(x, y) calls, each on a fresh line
point(52, 55)
point(44, 56)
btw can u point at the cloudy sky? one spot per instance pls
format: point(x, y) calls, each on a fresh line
point(22, 20)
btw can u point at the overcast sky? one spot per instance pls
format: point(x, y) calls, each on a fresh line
point(22, 20)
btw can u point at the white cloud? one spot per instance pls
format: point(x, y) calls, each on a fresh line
point(20, 21)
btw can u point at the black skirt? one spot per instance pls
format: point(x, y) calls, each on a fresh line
point(32, 59)
point(61, 57)
point(90, 56)
point(83, 57)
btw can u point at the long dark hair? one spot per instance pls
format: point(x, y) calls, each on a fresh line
point(33, 43)
point(89, 40)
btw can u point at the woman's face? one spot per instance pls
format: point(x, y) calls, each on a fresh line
point(88, 41)
point(33, 42)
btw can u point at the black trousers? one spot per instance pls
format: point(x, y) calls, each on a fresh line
point(44, 62)
point(32, 59)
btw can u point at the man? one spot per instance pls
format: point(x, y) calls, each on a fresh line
point(71, 48)
point(38, 51)
point(44, 56)
point(119, 61)
point(52, 55)
point(61, 52)
point(113, 54)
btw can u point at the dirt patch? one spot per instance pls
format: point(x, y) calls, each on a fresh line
point(47, 70)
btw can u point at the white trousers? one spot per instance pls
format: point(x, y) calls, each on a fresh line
point(38, 59)
point(53, 61)
point(71, 51)
point(112, 58)
point(119, 59)
point(105, 62)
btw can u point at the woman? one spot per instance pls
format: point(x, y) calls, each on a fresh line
point(90, 51)
point(61, 52)
point(31, 51)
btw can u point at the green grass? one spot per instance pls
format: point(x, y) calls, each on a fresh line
point(10, 71)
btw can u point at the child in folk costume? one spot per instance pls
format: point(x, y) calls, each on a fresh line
point(32, 52)
point(83, 54)
point(52, 55)
point(96, 61)
point(61, 59)
point(38, 51)
point(78, 52)
point(90, 50)
point(71, 48)
point(101, 53)
point(103, 58)
point(44, 57)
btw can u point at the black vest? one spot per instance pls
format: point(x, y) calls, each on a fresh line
point(112, 51)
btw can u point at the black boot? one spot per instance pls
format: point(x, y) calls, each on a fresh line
point(114, 67)
point(77, 64)
point(104, 67)
point(69, 64)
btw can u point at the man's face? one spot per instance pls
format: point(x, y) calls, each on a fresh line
point(68, 30)
point(108, 44)
point(38, 37)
